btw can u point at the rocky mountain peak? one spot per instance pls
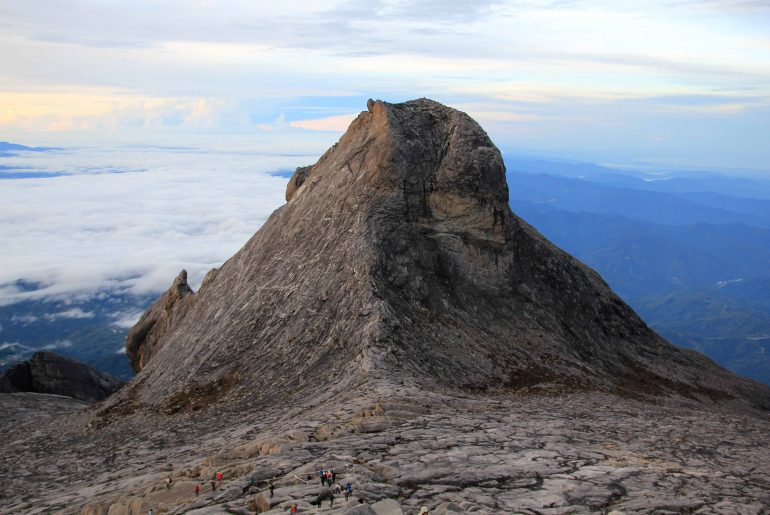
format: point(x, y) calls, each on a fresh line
point(396, 258)
point(440, 159)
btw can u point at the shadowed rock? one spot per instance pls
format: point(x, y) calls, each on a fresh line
point(50, 373)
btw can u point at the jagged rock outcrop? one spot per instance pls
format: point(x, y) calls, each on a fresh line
point(147, 335)
point(397, 258)
point(46, 372)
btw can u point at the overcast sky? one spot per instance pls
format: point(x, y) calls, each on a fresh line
point(668, 81)
point(173, 114)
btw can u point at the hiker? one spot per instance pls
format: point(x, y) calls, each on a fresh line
point(323, 477)
point(334, 477)
point(331, 500)
point(423, 511)
point(348, 491)
point(272, 488)
point(338, 489)
point(294, 508)
point(219, 476)
point(197, 490)
point(150, 512)
point(213, 486)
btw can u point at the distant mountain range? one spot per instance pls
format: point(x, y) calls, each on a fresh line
point(640, 258)
point(90, 329)
point(690, 253)
point(10, 149)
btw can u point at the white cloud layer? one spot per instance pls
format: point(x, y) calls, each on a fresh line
point(129, 219)
point(75, 313)
point(58, 344)
point(127, 319)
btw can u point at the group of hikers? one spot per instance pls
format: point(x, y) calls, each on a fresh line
point(215, 480)
point(328, 478)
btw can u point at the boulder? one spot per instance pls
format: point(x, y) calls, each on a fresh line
point(46, 372)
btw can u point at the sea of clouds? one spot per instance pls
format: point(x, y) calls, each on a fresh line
point(128, 219)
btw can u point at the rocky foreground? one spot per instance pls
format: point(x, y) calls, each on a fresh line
point(531, 451)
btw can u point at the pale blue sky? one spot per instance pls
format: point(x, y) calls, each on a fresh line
point(671, 82)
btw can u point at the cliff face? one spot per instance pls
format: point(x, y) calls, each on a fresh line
point(50, 373)
point(396, 258)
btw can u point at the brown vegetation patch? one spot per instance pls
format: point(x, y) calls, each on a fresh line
point(524, 378)
point(641, 384)
point(198, 396)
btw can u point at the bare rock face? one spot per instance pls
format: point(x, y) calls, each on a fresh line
point(46, 372)
point(147, 335)
point(397, 258)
